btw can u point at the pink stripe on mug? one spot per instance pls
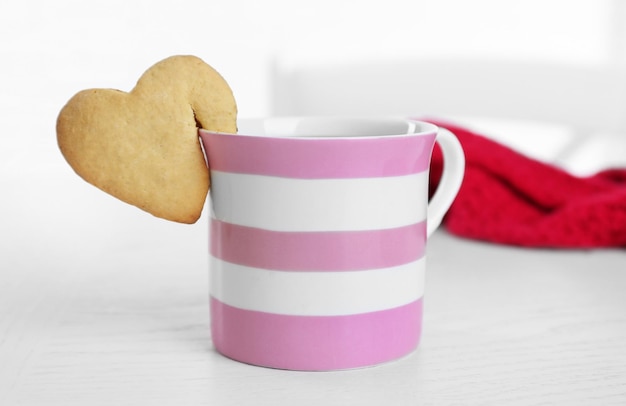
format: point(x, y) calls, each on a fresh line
point(315, 343)
point(325, 158)
point(317, 251)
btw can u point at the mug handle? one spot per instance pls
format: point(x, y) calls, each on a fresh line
point(451, 179)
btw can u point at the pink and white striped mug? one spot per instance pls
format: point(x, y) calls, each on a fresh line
point(317, 238)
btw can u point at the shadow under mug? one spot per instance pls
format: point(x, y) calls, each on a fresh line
point(318, 233)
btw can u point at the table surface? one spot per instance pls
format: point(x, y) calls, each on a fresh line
point(102, 304)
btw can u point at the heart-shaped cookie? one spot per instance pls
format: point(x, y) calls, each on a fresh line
point(142, 146)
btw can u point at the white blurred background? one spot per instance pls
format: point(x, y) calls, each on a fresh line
point(558, 64)
point(97, 291)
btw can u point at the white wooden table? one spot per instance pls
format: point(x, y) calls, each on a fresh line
point(101, 304)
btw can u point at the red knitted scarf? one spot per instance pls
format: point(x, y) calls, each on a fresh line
point(509, 198)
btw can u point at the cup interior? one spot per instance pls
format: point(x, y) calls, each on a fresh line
point(331, 127)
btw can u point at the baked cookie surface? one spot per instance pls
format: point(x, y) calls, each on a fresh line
point(142, 146)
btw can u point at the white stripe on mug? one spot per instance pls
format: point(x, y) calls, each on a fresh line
point(285, 204)
point(316, 293)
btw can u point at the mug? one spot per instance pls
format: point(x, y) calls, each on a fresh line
point(318, 232)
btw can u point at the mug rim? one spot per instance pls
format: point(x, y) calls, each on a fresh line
point(285, 127)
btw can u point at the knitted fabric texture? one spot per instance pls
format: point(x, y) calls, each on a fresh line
point(509, 198)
